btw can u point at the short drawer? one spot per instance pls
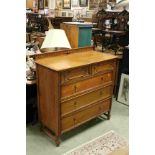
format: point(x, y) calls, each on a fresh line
point(103, 67)
point(68, 90)
point(86, 99)
point(73, 74)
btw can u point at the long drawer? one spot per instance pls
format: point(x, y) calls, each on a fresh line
point(68, 90)
point(82, 116)
point(86, 99)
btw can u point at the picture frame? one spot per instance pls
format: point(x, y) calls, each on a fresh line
point(75, 3)
point(93, 4)
point(63, 13)
point(70, 14)
point(66, 4)
point(123, 93)
point(40, 4)
point(89, 14)
point(46, 3)
point(83, 3)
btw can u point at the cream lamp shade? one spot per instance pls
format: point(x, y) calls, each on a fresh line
point(55, 38)
point(122, 4)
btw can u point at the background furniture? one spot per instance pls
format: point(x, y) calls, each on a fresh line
point(74, 86)
point(112, 31)
point(79, 34)
point(36, 22)
point(123, 67)
point(39, 23)
point(56, 21)
point(31, 102)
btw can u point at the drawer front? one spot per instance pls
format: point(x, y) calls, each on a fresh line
point(85, 100)
point(73, 74)
point(104, 106)
point(86, 114)
point(71, 89)
point(67, 123)
point(80, 117)
point(103, 67)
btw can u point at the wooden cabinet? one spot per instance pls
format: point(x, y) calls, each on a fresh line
point(79, 34)
point(74, 86)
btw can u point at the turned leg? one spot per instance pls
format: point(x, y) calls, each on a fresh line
point(109, 115)
point(55, 138)
point(57, 141)
point(41, 127)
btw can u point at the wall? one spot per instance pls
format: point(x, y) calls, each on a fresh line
point(29, 4)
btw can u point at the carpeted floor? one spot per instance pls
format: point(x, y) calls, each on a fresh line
point(102, 145)
point(39, 144)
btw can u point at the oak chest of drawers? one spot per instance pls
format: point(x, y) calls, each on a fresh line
point(74, 86)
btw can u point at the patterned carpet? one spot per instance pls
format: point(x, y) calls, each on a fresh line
point(102, 145)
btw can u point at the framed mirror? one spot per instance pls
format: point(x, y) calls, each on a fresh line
point(40, 4)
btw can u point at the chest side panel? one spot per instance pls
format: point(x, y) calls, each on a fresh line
point(48, 96)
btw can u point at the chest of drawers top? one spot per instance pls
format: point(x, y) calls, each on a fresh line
point(74, 60)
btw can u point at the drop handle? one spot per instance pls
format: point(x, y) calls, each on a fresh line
point(75, 88)
point(95, 70)
point(74, 120)
point(75, 104)
point(102, 78)
point(99, 108)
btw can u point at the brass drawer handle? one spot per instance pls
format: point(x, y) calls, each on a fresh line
point(71, 78)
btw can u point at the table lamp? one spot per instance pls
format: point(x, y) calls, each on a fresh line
point(124, 4)
point(55, 39)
